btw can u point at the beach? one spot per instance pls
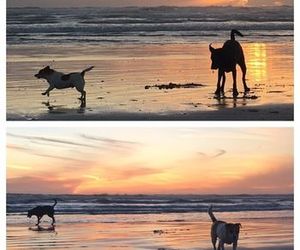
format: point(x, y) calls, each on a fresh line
point(142, 52)
point(148, 221)
point(162, 231)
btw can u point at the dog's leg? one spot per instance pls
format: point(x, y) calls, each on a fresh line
point(38, 222)
point(53, 220)
point(235, 92)
point(234, 246)
point(48, 90)
point(223, 84)
point(83, 93)
point(213, 236)
point(83, 96)
point(214, 241)
point(220, 245)
point(244, 71)
point(218, 91)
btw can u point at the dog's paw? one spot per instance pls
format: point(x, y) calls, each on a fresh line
point(218, 92)
point(235, 93)
point(44, 93)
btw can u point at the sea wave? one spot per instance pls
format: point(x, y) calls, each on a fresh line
point(149, 204)
point(132, 24)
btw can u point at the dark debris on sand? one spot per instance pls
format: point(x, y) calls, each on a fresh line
point(158, 232)
point(175, 86)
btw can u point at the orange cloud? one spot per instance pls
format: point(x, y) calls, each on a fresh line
point(40, 185)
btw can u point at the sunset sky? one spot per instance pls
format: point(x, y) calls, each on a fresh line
point(121, 3)
point(150, 160)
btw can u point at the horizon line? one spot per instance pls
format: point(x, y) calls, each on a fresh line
point(146, 6)
point(119, 194)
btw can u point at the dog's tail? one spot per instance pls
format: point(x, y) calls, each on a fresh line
point(86, 70)
point(55, 202)
point(235, 32)
point(211, 215)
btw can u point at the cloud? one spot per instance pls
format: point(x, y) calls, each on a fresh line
point(130, 172)
point(16, 147)
point(219, 153)
point(39, 139)
point(278, 179)
point(269, 2)
point(121, 3)
point(65, 158)
point(41, 185)
point(53, 156)
point(20, 167)
point(92, 177)
point(109, 140)
point(110, 143)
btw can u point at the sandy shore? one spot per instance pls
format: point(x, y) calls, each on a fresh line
point(276, 112)
point(159, 231)
point(117, 86)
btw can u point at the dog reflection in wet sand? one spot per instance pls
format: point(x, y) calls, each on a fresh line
point(40, 211)
point(225, 60)
point(226, 233)
point(58, 80)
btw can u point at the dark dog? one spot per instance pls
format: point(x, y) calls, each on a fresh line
point(40, 211)
point(227, 233)
point(225, 59)
point(60, 80)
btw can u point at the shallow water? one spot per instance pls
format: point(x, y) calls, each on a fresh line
point(117, 84)
point(160, 231)
point(160, 25)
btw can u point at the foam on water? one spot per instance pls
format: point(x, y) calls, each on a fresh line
point(149, 204)
point(145, 25)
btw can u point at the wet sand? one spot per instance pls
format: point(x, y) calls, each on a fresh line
point(145, 232)
point(116, 87)
point(283, 112)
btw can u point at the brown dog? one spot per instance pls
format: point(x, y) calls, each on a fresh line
point(225, 60)
point(227, 233)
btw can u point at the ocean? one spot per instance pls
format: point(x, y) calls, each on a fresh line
point(158, 25)
point(132, 48)
point(148, 221)
point(148, 204)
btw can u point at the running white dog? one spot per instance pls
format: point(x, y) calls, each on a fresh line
point(227, 233)
point(60, 80)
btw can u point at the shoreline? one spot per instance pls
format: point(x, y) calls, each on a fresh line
point(268, 112)
point(133, 232)
point(117, 88)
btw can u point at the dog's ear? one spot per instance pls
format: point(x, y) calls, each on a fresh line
point(211, 48)
point(239, 225)
point(48, 67)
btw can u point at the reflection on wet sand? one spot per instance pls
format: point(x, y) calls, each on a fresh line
point(40, 228)
point(63, 109)
point(121, 76)
point(151, 231)
point(257, 61)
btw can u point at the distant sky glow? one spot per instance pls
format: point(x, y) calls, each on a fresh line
point(150, 160)
point(122, 3)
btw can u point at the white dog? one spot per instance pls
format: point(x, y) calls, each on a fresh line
point(227, 233)
point(60, 80)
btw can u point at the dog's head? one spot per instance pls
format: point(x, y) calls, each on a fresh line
point(216, 57)
point(43, 73)
point(233, 230)
point(29, 214)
